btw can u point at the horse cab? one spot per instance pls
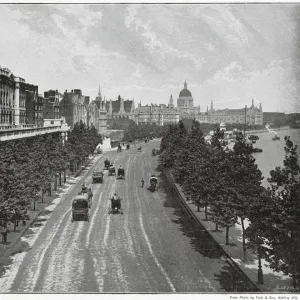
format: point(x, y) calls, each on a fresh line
point(80, 208)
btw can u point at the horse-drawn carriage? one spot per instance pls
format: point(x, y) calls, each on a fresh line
point(115, 206)
point(153, 152)
point(89, 193)
point(111, 171)
point(97, 176)
point(121, 173)
point(153, 183)
point(80, 208)
point(106, 164)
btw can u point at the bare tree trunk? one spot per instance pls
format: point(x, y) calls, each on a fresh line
point(227, 235)
point(205, 207)
point(294, 280)
point(198, 204)
point(217, 228)
point(55, 183)
point(49, 189)
point(65, 176)
point(59, 178)
point(244, 241)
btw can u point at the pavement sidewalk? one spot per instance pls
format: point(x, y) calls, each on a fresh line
point(12, 246)
point(273, 281)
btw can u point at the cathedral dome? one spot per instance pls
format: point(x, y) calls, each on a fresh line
point(185, 93)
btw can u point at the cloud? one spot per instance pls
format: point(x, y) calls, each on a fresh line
point(137, 74)
point(227, 53)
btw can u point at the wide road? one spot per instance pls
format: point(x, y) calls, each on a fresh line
point(152, 247)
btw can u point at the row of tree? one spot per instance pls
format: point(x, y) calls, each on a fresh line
point(228, 185)
point(29, 166)
point(143, 131)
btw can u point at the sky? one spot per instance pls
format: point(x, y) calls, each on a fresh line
point(228, 54)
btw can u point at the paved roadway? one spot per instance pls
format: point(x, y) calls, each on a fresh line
point(153, 247)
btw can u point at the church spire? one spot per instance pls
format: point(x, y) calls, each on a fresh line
point(99, 93)
point(185, 85)
point(171, 104)
point(211, 105)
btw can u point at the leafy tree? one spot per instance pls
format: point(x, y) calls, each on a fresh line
point(246, 181)
point(285, 186)
point(193, 141)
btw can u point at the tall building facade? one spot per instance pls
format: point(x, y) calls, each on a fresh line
point(7, 97)
point(251, 116)
point(73, 107)
point(34, 106)
point(12, 99)
point(52, 99)
point(158, 114)
point(120, 108)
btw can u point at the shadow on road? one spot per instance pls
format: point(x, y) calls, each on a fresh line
point(230, 281)
point(202, 242)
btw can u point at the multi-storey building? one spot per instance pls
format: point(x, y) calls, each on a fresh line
point(7, 97)
point(93, 115)
point(158, 114)
point(52, 99)
point(120, 108)
point(39, 111)
point(12, 99)
point(20, 101)
point(252, 115)
point(73, 107)
point(34, 106)
point(201, 117)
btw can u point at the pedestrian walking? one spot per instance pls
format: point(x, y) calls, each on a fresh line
point(142, 181)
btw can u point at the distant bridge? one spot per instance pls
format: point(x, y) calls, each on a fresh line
point(14, 132)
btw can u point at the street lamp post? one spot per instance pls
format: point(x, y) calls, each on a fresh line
point(260, 278)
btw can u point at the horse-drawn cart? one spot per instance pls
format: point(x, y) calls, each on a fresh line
point(106, 164)
point(121, 173)
point(80, 208)
point(115, 206)
point(111, 171)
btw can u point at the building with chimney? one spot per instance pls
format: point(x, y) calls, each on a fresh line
point(120, 108)
point(73, 107)
point(251, 116)
point(52, 99)
point(157, 114)
point(34, 106)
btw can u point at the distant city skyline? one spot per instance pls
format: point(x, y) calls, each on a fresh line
point(228, 54)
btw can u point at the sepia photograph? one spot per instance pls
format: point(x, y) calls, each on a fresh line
point(150, 148)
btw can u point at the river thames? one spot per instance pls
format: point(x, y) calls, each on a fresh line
point(273, 151)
